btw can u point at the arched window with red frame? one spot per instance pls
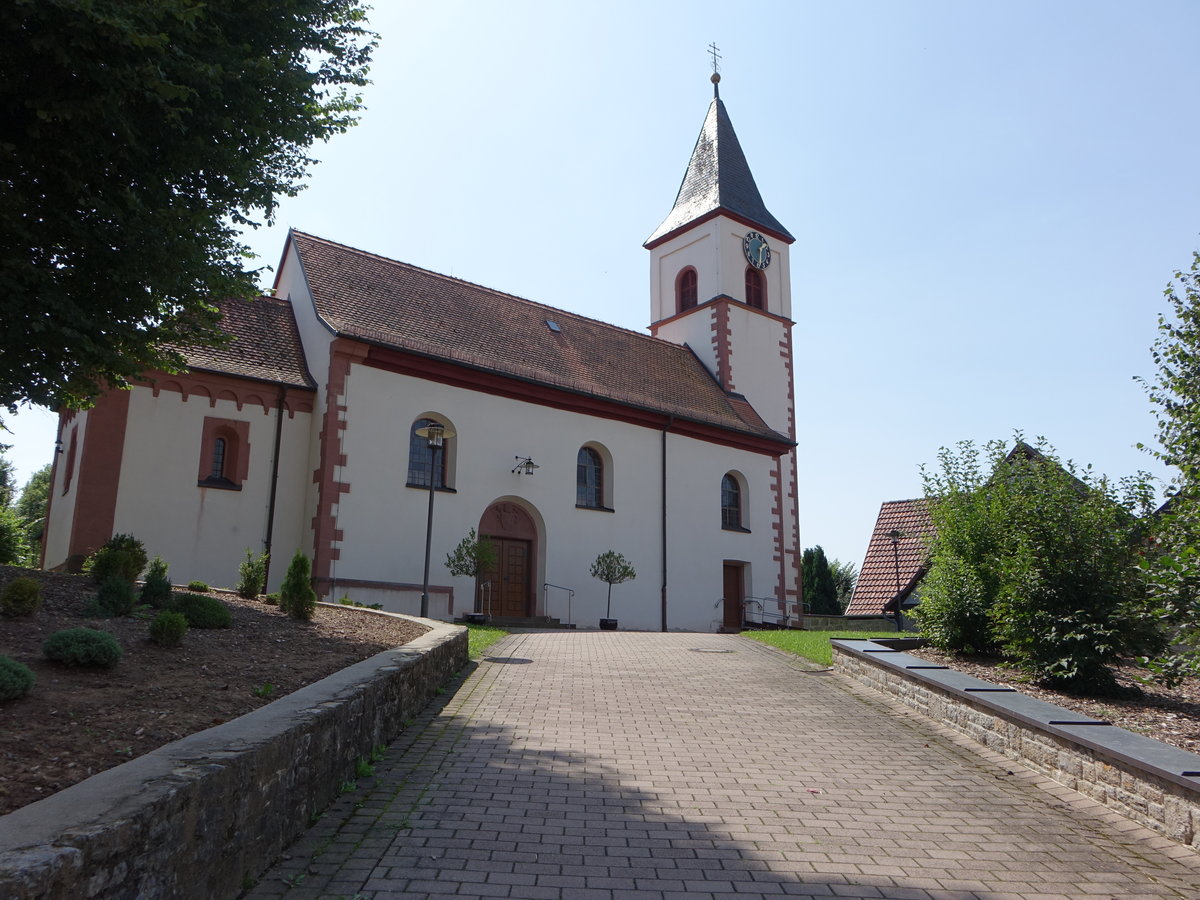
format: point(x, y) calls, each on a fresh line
point(686, 290)
point(756, 288)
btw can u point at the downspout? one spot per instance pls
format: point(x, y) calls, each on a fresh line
point(274, 485)
point(666, 428)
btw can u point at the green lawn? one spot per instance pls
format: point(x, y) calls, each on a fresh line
point(480, 637)
point(813, 645)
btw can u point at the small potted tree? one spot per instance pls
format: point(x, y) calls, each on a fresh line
point(471, 559)
point(613, 568)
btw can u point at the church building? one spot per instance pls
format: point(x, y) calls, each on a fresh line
point(563, 437)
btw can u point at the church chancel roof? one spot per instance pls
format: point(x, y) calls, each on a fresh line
point(394, 305)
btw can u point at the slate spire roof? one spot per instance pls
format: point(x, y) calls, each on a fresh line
point(718, 178)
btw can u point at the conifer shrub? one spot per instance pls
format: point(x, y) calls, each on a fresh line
point(21, 597)
point(296, 596)
point(168, 628)
point(156, 591)
point(115, 598)
point(15, 679)
point(199, 586)
point(83, 647)
point(251, 575)
point(271, 599)
point(122, 555)
point(202, 611)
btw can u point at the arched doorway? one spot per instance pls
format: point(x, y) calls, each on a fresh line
point(514, 533)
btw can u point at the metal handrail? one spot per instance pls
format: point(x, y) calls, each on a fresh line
point(546, 598)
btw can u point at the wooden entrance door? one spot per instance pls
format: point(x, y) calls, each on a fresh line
point(734, 596)
point(510, 578)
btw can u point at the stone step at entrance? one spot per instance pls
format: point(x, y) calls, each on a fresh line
point(521, 622)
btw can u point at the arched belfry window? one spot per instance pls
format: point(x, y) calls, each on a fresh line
point(731, 503)
point(422, 457)
point(756, 288)
point(589, 479)
point(686, 289)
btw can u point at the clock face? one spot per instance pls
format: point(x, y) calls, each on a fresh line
point(758, 252)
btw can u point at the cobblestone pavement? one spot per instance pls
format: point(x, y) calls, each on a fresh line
point(625, 766)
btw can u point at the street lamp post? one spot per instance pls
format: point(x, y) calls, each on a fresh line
point(435, 436)
point(895, 534)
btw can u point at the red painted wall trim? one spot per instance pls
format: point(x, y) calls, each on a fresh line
point(342, 354)
point(722, 340)
point(444, 372)
point(99, 473)
point(214, 386)
point(237, 448)
point(711, 303)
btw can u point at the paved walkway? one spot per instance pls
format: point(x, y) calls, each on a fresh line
point(623, 766)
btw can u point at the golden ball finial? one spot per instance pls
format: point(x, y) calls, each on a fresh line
point(716, 78)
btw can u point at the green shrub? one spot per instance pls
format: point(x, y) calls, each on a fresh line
point(251, 574)
point(271, 599)
point(83, 647)
point(15, 679)
point(168, 628)
point(296, 596)
point(21, 597)
point(156, 591)
point(116, 597)
point(203, 612)
point(199, 586)
point(122, 555)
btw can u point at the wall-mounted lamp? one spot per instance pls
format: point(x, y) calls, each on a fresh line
point(525, 465)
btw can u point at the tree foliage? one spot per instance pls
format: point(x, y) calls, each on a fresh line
point(820, 591)
point(613, 568)
point(1037, 560)
point(138, 139)
point(845, 576)
point(472, 557)
point(1174, 570)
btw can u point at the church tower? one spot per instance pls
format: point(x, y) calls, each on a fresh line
point(720, 280)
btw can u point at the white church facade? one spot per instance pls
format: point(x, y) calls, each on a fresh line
point(570, 436)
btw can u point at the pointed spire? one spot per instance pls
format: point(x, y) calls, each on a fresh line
point(718, 178)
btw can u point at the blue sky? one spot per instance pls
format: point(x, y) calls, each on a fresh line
point(987, 199)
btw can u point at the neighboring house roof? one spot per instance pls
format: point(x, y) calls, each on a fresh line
point(718, 178)
point(265, 344)
point(887, 563)
point(382, 301)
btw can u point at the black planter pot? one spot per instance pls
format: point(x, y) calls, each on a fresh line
point(608, 624)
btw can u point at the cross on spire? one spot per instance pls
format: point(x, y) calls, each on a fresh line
point(712, 49)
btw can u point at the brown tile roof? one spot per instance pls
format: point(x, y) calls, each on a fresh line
point(877, 578)
point(266, 344)
point(373, 298)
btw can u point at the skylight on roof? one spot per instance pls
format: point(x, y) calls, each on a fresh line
point(553, 326)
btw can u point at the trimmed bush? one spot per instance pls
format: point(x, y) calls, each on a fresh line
point(122, 555)
point(15, 679)
point(21, 597)
point(116, 597)
point(271, 599)
point(296, 596)
point(203, 612)
point(83, 647)
point(252, 573)
point(199, 586)
point(168, 628)
point(156, 591)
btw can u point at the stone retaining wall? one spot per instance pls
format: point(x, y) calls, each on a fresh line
point(204, 816)
point(1152, 783)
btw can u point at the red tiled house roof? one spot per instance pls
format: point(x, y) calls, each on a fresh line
point(389, 303)
point(877, 578)
point(265, 344)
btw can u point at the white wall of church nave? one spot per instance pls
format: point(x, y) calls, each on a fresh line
point(62, 506)
point(203, 533)
point(383, 522)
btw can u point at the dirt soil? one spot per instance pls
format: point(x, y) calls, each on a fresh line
point(1168, 715)
point(77, 722)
